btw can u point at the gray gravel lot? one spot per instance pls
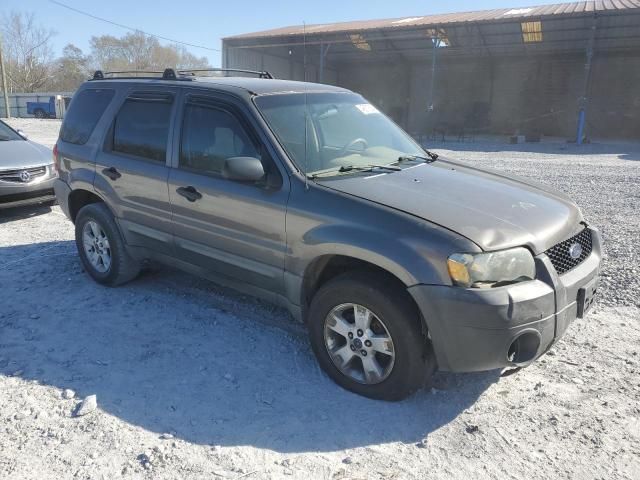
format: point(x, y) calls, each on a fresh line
point(195, 381)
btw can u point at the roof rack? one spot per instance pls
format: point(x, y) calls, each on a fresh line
point(193, 71)
point(167, 74)
point(170, 73)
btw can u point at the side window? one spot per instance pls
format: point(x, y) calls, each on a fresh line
point(210, 136)
point(141, 127)
point(85, 110)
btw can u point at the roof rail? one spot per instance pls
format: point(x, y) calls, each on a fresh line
point(167, 74)
point(171, 74)
point(193, 71)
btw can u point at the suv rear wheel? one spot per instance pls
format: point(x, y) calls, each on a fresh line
point(101, 248)
point(367, 337)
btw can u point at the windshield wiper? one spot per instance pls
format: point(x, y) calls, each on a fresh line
point(365, 168)
point(354, 168)
point(431, 157)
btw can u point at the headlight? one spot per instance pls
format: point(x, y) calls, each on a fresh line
point(483, 270)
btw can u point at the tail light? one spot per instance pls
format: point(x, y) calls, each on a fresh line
point(56, 161)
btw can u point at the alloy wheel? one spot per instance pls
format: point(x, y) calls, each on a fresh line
point(359, 343)
point(96, 246)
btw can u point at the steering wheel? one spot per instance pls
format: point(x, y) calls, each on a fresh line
point(352, 144)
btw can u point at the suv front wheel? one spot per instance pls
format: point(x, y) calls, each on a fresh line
point(101, 248)
point(367, 336)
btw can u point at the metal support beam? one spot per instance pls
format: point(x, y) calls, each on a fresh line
point(434, 58)
point(323, 53)
point(398, 53)
point(483, 40)
point(584, 99)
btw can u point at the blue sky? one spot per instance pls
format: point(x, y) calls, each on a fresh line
point(205, 22)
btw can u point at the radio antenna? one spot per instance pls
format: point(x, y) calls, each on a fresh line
point(306, 120)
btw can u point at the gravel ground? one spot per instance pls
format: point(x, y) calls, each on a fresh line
point(195, 381)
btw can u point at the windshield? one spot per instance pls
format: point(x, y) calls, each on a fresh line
point(342, 130)
point(7, 133)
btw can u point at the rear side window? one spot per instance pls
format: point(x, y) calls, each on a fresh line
point(141, 127)
point(210, 136)
point(85, 110)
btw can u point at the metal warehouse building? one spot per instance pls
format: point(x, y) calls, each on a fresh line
point(552, 70)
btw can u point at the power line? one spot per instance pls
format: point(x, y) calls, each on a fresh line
point(132, 28)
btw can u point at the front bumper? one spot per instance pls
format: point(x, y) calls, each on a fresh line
point(478, 329)
point(14, 194)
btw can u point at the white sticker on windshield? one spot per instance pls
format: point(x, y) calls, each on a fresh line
point(367, 108)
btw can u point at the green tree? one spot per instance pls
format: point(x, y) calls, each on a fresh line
point(70, 70)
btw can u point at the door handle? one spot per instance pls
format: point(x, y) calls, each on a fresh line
point(112, 173)
point(190, 193)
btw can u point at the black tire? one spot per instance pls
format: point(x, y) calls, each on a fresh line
point(39, 113)
point(123, 268)
point(414, 359)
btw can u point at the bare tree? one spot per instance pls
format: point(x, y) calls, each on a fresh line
point(137, 51)
point(28, 52)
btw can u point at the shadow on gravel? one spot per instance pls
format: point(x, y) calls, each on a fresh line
point(172, 353)
point(635, 156)
point(624, 151)
point(22, 213)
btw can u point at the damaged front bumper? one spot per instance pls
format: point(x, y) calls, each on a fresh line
point(483, 329)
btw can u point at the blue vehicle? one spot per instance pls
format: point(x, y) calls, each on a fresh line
point(42, 109)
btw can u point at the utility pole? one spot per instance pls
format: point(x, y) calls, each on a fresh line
point(4, 82)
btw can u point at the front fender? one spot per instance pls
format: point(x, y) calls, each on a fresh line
point(394, 254)
point(322, 222)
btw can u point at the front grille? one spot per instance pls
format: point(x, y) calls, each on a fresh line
point(560, 256)
point(15, 175)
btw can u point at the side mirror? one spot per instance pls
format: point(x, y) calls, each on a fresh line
point(22, 134)
point(243, 169)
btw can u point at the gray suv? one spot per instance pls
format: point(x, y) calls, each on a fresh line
point(400, 262)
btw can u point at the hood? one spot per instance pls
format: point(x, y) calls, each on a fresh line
point(23, 153)
point(493, 210)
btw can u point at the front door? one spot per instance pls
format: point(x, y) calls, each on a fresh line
point(232, 229)
point(132, 169)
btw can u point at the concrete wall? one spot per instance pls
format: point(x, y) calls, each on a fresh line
point(278, 66)
point(505, 95)
point(614, 109)
point(387, 86)
point(509, 95)
point(534, 94)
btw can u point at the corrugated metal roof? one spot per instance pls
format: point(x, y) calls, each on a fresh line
point(504, 14)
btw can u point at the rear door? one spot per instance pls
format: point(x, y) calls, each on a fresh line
point(132, 167)
point(234, 230)
point(81, 135)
